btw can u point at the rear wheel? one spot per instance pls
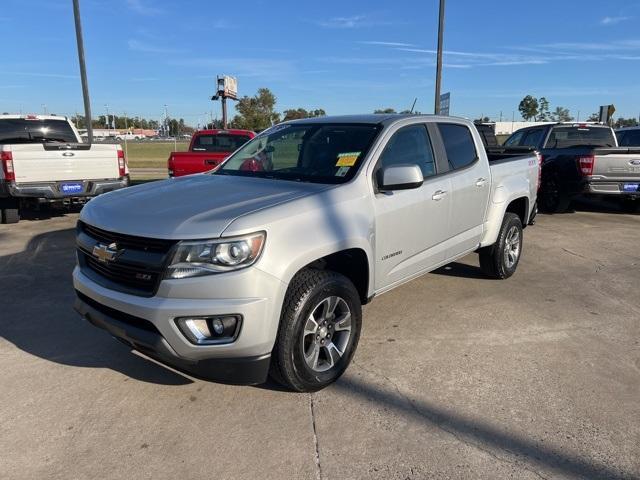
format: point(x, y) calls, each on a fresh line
point(500, 260)
point(9, 212)
point(551, 197)
point(319, 330)
point(631, 205)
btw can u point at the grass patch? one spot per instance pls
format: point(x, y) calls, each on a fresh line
point(151, 154)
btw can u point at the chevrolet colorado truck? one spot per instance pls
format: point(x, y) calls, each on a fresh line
point(582, 159)
point(207, 150)
point(44, 160)
point(237, 273)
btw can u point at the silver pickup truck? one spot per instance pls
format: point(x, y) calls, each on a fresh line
point(262, 265)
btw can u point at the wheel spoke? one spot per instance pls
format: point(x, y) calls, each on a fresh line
point(311, 357)
point(343, 323)
point(311, 326)
point(333, 354)
point(330, 305)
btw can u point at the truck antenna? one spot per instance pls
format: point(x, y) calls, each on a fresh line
point(414, 104)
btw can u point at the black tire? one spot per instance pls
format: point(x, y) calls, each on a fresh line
point(10, 215)
point(630, 205)
point(493, 260)
point(551, 199)
point(306, 293)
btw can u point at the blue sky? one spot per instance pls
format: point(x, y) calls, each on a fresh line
point(347, 56)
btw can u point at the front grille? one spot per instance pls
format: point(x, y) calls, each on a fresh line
point(127, 241)
point(138, 270)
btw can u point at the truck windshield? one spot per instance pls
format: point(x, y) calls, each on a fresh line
point(570, 136)
point(318, 153)
point(219, 143)
point(22, 130)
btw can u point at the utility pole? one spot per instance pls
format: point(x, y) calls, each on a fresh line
point(436, 108)
point(126, 133)
point(44, 109)
point(83, 71)
point(578, 119)
point(108, 123)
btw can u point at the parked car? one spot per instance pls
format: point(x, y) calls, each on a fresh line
point(581, 158)
point(240, 272)
point(44, 160)
point(207, 150)
point(628, 136)
point(129, 136)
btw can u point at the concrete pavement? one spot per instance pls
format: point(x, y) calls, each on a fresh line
point(456, 376)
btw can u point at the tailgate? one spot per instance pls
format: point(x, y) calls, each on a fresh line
point(34, 163)
point(186, 163)
point(617, 166)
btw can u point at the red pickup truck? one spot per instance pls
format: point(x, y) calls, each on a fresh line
point(207, 150)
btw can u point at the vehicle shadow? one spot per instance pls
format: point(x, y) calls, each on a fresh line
point(46, 212)
point(461, 270)
point(488, 437)
point(38, 317)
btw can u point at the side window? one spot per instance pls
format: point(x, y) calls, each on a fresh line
point(410, 145)
point(533, 138)
point(514, 139)
point(458, 143)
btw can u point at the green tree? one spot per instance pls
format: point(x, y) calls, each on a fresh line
point(385, 110)
point(543, 109)
point(257, 112)
point(625, 122)
point(528, 107)
point(482, 120)
point(561, 114)
point(594, 117)
point(296, 113)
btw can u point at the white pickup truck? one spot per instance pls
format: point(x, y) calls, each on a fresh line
point(44, 160)
point(263, 264)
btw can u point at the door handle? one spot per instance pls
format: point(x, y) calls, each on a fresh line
point(438, 195)
point(211, 162)
point(481, 182)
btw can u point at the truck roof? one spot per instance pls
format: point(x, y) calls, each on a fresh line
point(368, 118)
point(222, 131)
point(32, 117)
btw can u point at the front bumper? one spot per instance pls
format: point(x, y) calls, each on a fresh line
point(148, 323)
point(53, 190)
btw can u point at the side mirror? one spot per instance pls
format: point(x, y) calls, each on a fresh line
point(399, 177)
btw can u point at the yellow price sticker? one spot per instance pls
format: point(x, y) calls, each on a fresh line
point(347, 159)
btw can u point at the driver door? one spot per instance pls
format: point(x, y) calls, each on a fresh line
point(411, 226)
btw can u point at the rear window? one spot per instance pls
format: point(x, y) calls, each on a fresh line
point(629, 138)
point(458, 143)
point(20, 130)
point(219, 143)
point(566, 137)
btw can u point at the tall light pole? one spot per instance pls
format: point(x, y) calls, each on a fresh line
point(44, 109)
point(106, 107)
point(83, 71)
point(436, 108)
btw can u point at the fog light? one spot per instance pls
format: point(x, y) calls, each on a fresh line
point(218, 326)
point(210, 330)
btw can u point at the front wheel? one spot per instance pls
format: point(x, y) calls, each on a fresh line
point(319, 330)
point(500, 260)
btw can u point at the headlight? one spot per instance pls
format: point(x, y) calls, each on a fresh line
point(193, 259)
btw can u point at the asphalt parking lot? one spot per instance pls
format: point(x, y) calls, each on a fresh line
point(456, 376)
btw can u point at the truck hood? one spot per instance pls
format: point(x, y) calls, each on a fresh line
point(192, 207)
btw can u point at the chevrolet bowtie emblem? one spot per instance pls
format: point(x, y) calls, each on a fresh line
point(106, 253)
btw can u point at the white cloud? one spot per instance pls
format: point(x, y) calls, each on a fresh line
point(138, 46)
point(354, 21)
point(388, 44)
point(142, 7)
point(613, 20)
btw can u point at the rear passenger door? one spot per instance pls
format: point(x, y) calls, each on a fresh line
point(470, 187)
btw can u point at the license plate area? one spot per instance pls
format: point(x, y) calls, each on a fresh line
point(71, 188)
